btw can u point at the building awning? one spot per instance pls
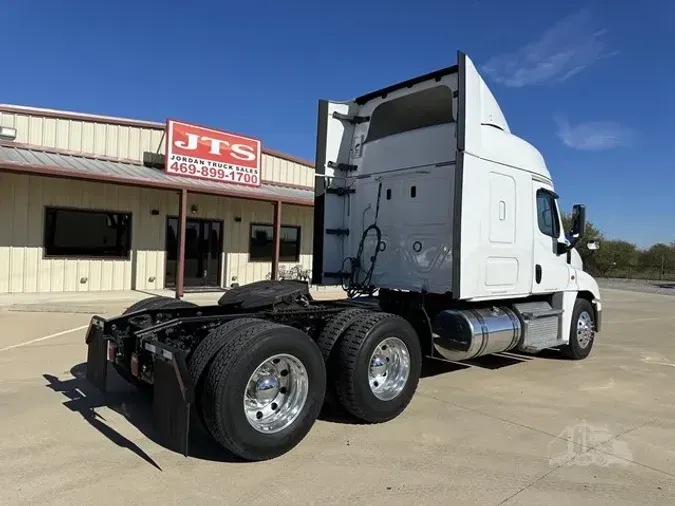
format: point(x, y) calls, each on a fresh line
point(55, 163)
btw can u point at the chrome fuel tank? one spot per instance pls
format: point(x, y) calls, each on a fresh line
point(461, 334)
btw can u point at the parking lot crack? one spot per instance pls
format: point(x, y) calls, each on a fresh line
point(535, 481)
point(494, 417)
point(624, 433)
point(589, 449)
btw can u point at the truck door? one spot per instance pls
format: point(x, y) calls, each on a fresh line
point(335, 133)
point(550, 272)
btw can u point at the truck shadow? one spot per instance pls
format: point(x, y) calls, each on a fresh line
point(333, 412)
point(135, 406)
point(492, 362)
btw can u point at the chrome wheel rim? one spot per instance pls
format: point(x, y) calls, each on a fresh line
point(584, 329)
point(275, 393)
point(389, 369)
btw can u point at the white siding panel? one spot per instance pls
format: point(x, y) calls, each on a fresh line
point(149, 237)
point(19, 236)
point(270, 168)
point(122, 142)
point(21, 124)
point(284, 171)
point(156, 141)
point(111, 140)
point(6, 119)
point(7, 191)
point(88, 137)
point(34, 223)
point(35, 125)
point(49, 133)
point(62, 140)
point(75, 136)
point(146, 142)
point(134, 144)
point(99, 141)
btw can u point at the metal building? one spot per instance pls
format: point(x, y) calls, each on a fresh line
point(81, 211)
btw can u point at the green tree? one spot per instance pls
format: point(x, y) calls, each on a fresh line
point(619, 258)
point(657, 262)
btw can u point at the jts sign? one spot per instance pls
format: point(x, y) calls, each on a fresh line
point(195, 151)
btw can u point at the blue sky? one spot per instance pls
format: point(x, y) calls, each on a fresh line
point(588, 83)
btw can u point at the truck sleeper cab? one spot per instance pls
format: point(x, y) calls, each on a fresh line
point(418, 192)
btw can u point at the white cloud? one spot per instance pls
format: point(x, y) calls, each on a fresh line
point(562, 51)
point(593, 135)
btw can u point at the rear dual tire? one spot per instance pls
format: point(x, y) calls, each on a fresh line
point(263, 391)
point(376, 367)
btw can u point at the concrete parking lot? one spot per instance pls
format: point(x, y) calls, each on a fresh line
point(503, 430)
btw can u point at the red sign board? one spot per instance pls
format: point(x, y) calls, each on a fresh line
point(196, 151)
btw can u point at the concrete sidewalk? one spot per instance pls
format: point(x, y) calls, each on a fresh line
point(85, 300)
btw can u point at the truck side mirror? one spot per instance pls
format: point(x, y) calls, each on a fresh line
point(593, 245)
point(578, 222)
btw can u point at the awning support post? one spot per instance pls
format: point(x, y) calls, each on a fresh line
point(180, 261)
point(276, 240)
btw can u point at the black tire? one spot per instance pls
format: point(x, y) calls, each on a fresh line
point(207, 350)
point(330, 336)
point(335, 327)
point(579, 347)
point(351, 378)
point(228, 375)
point(157, 302)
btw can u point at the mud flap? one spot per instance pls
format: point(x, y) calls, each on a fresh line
point(97, 359)
point(173, 394)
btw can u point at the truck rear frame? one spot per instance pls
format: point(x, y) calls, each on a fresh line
point(178, 350)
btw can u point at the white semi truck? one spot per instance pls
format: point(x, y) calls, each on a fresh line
point(443, 228)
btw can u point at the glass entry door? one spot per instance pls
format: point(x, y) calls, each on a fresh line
point(203, 252)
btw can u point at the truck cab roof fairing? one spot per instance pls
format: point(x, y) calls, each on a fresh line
point(382, 93)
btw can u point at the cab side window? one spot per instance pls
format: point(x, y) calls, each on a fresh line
point(547, 214)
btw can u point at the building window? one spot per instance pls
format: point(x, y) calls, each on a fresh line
point(547, 214)
point(261, 247)
point(87, 233)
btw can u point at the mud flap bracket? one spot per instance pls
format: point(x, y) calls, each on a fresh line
point(173, 394)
